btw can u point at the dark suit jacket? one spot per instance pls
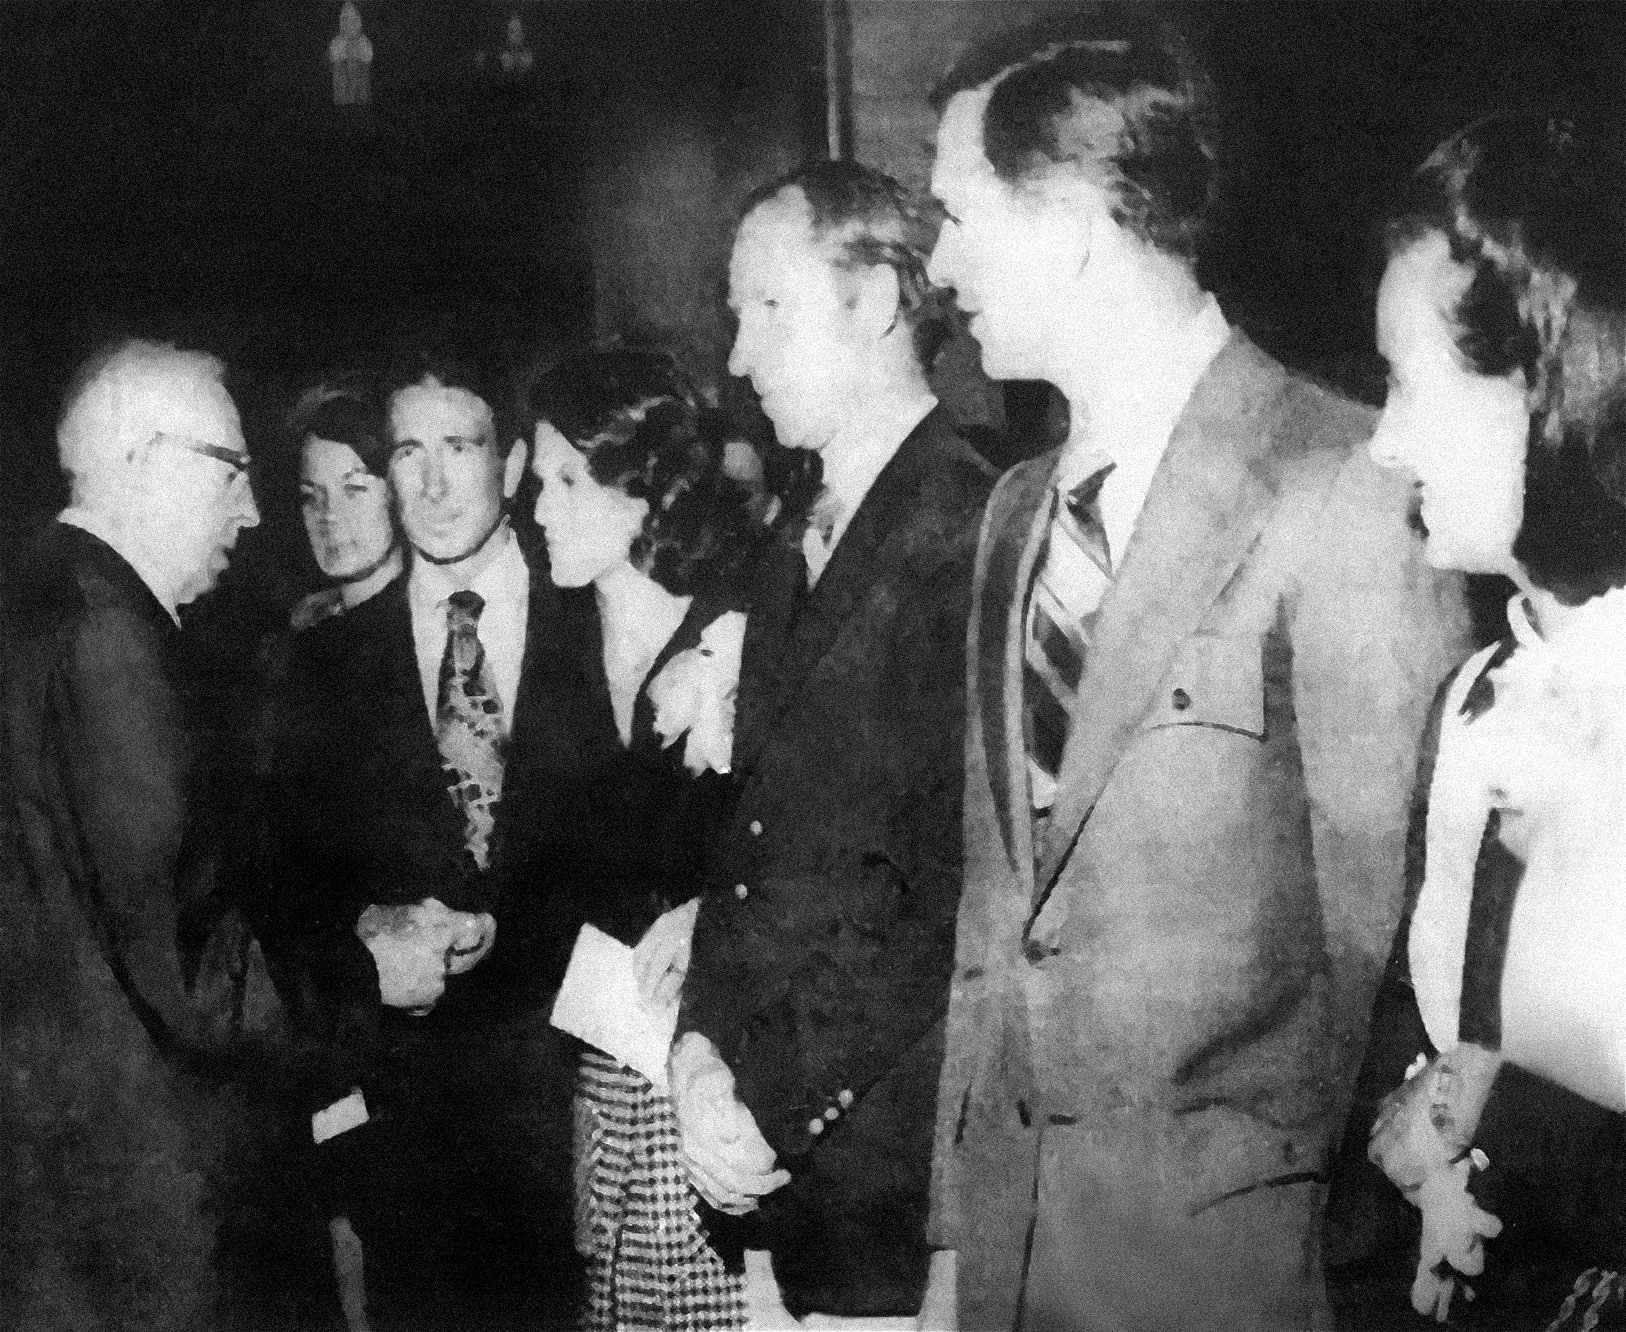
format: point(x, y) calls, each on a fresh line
point(1175, 985)
point(120, 968)
point(362, 813)
point(822, 950)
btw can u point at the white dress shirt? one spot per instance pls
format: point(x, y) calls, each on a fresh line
point(858, 454)
point(505, 586)
point(1136, 428)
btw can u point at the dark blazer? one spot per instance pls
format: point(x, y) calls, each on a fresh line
point(822, 949)
point(1169, 994)
point(362, 812)
point(120, 968)
point(469, 1104)
point(1556, 1175)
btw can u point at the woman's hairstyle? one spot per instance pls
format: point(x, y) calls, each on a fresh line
point(347, 410)
point(645, 432)
point(1535, 206)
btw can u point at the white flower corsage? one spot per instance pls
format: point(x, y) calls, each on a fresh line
point(694, 695)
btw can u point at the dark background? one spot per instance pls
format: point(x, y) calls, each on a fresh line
point(178, 169)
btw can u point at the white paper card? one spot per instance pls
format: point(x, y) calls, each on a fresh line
point(599, 1003)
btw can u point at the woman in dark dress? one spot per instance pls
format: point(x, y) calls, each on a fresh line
point(1502, 314)
point(637, 504)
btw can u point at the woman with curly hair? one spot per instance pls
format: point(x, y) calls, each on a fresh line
point(638, 504)
point(1502, 314)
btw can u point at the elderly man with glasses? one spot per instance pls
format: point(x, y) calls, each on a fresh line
point(121, 968)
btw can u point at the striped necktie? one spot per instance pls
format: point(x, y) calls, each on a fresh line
point(1073, 577)
point(468, 724)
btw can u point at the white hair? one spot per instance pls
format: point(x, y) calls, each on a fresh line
point(123, 396)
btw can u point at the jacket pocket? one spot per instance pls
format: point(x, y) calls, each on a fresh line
point(1212, 682)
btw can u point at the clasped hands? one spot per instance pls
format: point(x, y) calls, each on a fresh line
point(418, 945)
point(1420, 1141)
point(729, 1162)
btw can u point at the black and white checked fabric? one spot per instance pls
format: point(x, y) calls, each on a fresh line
point(1597, 1303)
point(649, 1265)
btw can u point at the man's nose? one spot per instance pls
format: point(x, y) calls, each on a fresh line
point(739, 359)
point(939, 264)
point(434, 477)
point(249, 510)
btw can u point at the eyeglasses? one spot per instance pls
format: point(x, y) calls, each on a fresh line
point(236, 459)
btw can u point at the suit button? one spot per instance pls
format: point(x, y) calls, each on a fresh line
point(815, 1127)
point(844, 1098)
point(741, 891)
point(831, 1113)
point(756, 827)
point(1181, 700)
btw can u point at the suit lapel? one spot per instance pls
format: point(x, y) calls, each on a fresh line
point(1018, 520)
point(562, 704)
point(1208, 502)
point(776, 594)
point(863, 556)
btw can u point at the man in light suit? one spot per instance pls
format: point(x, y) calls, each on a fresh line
point(1201, 649)
point(811, 1025)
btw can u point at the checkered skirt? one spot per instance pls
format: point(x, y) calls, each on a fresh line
point(1596, 1303)
point(649, 1265)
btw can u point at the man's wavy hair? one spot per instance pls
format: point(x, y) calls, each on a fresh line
point(1535, 205)
point(1129, 106)
point(869, 219)
point(646, 433)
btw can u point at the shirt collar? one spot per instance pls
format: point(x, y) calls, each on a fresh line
point(99, 526)
point(1136, 441)
point(860, 451)
point(429, 585)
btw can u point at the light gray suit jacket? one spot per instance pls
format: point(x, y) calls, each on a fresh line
point(1157, 1013)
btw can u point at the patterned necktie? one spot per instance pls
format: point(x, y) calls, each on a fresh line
point(468, 723)
point(1073, 577)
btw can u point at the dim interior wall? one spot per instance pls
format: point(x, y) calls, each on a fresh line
point(716, 101)
point(900, 49)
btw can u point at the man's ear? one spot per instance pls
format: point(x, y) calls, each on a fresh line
point(879, 307)
point(1074, 209)
point(513, 469)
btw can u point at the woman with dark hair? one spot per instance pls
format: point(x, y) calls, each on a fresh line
point(1502, 314)
point(638, 504)
point(344, 497)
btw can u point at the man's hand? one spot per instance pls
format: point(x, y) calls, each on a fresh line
point(940, 1310)
point(728, 1160)
point(416, 947)
point(661, 959)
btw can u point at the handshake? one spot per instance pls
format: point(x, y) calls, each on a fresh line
point(416, 947)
